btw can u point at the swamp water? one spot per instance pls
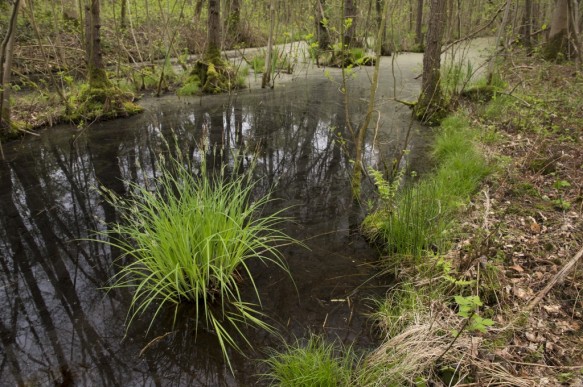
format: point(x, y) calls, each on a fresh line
point(59, 327)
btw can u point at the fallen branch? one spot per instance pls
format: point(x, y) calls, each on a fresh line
point(558, 277)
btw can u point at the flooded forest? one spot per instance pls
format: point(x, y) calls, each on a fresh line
point(291, 193)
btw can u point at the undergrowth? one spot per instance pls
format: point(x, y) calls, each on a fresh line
point(420, 217)
point(314, 363)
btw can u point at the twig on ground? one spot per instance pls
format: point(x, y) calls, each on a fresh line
point(558, 277)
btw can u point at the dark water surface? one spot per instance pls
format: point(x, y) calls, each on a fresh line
point(59, 327)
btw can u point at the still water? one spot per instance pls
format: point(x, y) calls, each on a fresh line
point(57, 324)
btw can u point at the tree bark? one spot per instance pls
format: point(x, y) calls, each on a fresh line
point(429, 107)
point(213, 49)
point(527, 26)
point(322, 32)
point(6, 51)
point(385, 46)
point(234, 21)
point(419, 25)
point(123, 15)
point(96, 75)
point(558, 43)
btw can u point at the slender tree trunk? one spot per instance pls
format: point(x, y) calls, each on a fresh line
point(234, 21)
point(268, 57)
point(96, 74)
point(429, 108)
point(213, 49)
point(6, 51)
point(419, 25)
point(385, 45)
point(350, 13)
point(360, 135)
point(501, 33)
point(123, 15)
point(527, 26)
point(198, 9)
point(575, 32)
point(322, 32)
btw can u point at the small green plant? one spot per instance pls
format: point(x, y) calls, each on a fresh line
point(189, 239)
point(312, 364)
point(467, 308)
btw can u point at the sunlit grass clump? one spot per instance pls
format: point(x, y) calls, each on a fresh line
point(189, 239)
point(310, 364)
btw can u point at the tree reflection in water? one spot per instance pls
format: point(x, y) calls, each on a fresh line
point(58, 325)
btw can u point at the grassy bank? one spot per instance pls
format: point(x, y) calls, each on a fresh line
point(486, 249)
point(481, 297)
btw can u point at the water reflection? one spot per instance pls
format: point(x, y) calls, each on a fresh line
point(58, 326)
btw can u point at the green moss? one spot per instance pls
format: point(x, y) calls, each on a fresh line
point(101, 103)
point(216, 76)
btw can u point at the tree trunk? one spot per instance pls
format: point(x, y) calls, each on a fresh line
point(385, 46)
point(322, 32)
point(419, 25)
point(213, 50)
point(558, 43)
point(234, 21)
point(501, 33)
point(268, 57)
point(430, 107)
point(527, 26)
point(96, 74)
point(576, 29)
point(360, 135)
point(6, 51)
point(350, 14)
point(123, 15)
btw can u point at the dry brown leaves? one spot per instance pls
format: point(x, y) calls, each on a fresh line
point(531, 221)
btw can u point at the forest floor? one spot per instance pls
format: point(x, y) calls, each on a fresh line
point(524, 230)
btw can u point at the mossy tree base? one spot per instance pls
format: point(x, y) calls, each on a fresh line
point(101, 103)
point(215, 75)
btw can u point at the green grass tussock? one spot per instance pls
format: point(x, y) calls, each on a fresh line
point(419, 217)
point(311, 364)
point(189, 239)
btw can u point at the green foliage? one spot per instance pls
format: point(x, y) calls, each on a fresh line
point(455, 78)
point(280, 61)
point(312, 364)
point(422, 214)
point(467, 307)
point(190, 87)
point(189, 239)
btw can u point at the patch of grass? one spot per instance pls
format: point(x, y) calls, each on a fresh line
point(395, 312)
point(310, 364)
point(421, 216)
point(190, 87)
point(189, 239)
